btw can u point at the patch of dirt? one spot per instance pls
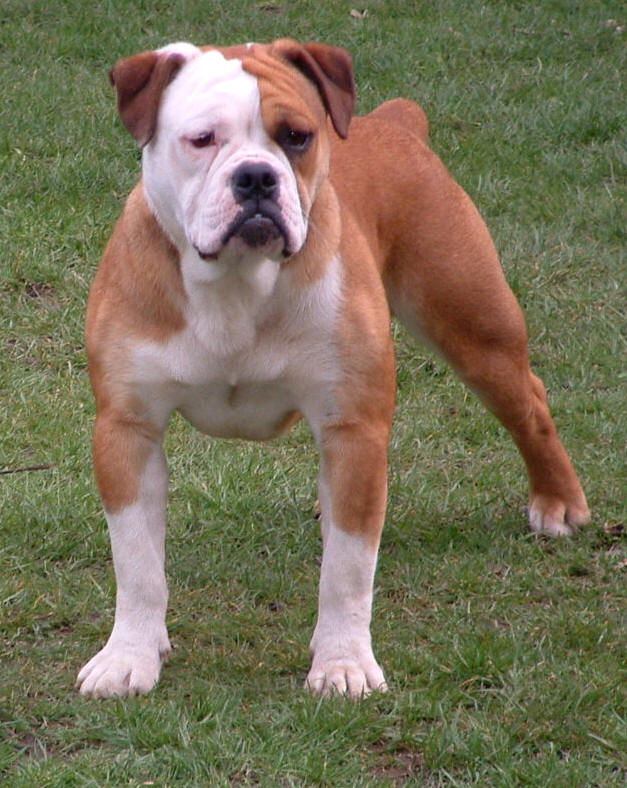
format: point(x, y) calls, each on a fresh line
point(398, 766)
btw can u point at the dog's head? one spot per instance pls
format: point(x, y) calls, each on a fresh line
point(235, 140)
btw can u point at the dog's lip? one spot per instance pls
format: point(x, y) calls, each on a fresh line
point(263, 211)
point(260, 212)
point(206, 255)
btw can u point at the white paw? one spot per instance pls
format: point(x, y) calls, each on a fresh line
point(555, 518)
point(548, 524)
point(355, 678)
point(121, 669)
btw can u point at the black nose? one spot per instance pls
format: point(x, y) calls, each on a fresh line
point(254, 179)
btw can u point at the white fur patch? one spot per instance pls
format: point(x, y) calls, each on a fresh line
point(189, 188)
point(342, 658)
point(255, 348)
point(130, 662)
point(180, 48)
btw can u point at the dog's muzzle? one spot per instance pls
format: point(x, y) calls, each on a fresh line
point(255, 187)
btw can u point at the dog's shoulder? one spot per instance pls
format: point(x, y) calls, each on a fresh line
point(138, 278)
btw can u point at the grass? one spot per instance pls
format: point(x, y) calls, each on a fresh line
point(504, 653)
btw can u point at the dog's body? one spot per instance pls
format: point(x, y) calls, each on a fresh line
point(249, 282)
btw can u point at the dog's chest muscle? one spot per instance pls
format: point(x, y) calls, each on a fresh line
point(243, 365)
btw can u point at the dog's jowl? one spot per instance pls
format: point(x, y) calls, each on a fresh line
point(249, 282)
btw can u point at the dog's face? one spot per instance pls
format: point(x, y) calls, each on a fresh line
point(235, 141)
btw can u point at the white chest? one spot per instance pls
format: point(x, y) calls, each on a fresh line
point(248, 359)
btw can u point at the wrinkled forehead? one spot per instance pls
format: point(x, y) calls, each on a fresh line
point(238, 85)
point(208, 88)
point(286, 94)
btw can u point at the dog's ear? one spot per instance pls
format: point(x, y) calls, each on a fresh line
point(139, 82)
point(331, 70)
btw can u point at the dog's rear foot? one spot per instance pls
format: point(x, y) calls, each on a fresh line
point(555, 517)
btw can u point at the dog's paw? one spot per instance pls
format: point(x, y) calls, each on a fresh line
point(554, 517)
point(356, 679)
point(121, 669)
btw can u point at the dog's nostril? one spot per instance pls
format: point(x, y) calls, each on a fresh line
point(268, 181)
point(245, 181)
point(254, 180)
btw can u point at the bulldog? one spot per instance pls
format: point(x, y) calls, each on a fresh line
point(249, 282)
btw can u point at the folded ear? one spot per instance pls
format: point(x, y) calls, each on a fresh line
point(331, 70)
point(139, 82)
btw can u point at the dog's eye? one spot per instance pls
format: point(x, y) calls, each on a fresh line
point(294, 140)
point(203, 140)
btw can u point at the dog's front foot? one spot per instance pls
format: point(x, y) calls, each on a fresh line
point(122, 668)
point(343, 673)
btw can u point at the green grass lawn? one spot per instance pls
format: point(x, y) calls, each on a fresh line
point(503, 652)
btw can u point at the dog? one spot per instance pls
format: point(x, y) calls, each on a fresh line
point(249, 283)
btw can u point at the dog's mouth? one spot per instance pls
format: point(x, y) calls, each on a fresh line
point(259, 224)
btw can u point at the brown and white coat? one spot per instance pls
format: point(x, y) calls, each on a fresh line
point(246, 318)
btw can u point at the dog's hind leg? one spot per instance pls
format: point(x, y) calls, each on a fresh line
point(446, 284)
point(406, 113)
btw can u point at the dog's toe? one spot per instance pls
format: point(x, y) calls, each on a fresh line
point(118, 670)
point(345, 677)
point(556, 517)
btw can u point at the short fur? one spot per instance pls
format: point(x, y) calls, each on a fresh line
point(246, 334)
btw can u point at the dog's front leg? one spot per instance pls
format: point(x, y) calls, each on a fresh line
point(132, 478)
point(352, 491)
